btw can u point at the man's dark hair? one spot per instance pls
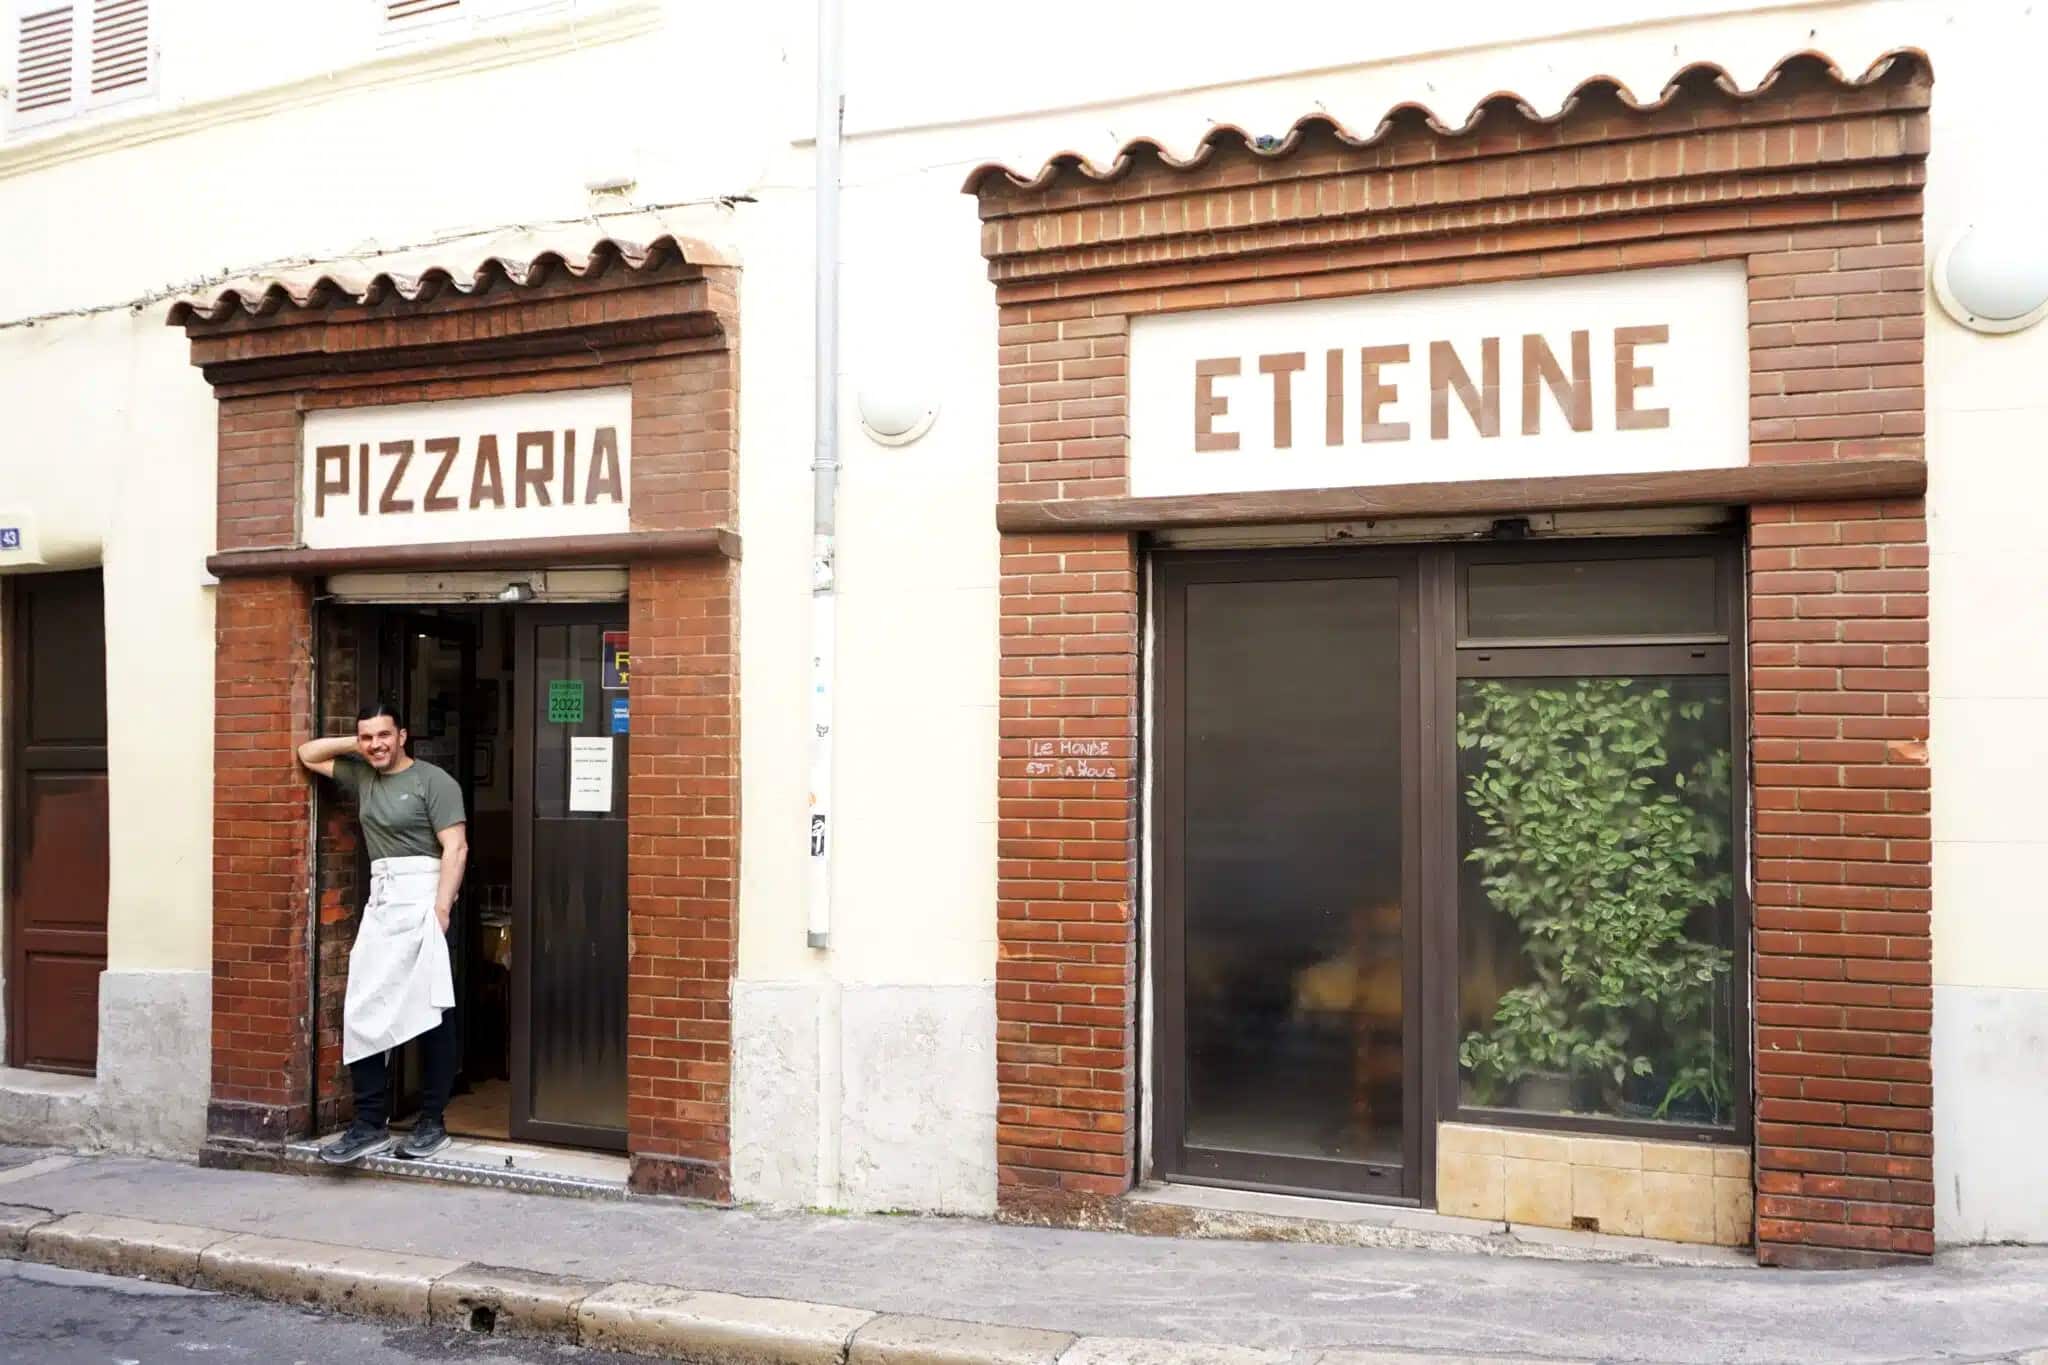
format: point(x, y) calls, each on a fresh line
point(377, 708)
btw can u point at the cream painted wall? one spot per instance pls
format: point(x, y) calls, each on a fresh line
point(1987, 413)
point(272, 157)
point(914, 898)
point(102, 467)
point(400, 152)
point(111, 431)
point(159, 502)
point(917, 126)
point(1986, 416)
point(914, 887)
point(916, 295)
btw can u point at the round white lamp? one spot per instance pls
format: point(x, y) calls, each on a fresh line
point(1992, 278)
point(894, 413)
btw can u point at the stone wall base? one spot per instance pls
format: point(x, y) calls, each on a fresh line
point(150, 1094)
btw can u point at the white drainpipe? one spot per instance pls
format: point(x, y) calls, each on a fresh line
point(825, 480)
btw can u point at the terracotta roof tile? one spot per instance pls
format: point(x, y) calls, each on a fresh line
point(470, 265)
point(1222, 135)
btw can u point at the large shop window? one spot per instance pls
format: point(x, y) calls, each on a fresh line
point(1595, 800)
point(1445, 832)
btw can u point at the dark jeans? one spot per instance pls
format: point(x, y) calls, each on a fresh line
point(372, 1076)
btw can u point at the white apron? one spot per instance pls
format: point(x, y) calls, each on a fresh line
point(399, 978)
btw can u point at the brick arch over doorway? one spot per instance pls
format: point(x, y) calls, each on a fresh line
point(657, 320)
point(1814, 183)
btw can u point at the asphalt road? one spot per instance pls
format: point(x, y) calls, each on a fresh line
point(62, 1317)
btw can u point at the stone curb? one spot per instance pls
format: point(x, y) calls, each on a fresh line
point(894, 1340)
point(663, 1320)
point(16, 1222)
point(509, 1302)
point(110, 1245)
point(384, 1284)
point(716, 1328)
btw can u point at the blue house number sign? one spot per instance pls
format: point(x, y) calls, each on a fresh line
point(10, 537)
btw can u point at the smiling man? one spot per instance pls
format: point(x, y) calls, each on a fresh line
point(399, 980)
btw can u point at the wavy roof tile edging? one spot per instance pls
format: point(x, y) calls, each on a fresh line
point(470, 265)
point(1273, 149)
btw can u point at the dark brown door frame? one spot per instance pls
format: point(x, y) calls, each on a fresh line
point(1435, 656)
point(527, 696)
point(1413, 1180)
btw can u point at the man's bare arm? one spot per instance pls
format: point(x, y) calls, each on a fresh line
point(318, 755)
point(454, 858)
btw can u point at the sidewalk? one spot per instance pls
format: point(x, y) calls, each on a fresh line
point(1299, 1302)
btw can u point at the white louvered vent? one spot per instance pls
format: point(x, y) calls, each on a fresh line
point(42, 67)
point(408, 11)
point(120, 45)
point(417, 23)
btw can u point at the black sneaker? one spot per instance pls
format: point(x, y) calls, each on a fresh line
point(427, 1137)
point(359, 1141)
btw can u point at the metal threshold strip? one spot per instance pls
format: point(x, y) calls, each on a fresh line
point(490, 1164)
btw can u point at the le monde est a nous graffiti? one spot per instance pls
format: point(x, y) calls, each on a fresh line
point(1083, 759)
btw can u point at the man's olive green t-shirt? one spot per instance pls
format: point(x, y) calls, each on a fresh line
point(401, 812)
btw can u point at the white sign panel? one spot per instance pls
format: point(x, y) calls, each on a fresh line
point(1593, 374)
point(590, 774)
point(549, 464)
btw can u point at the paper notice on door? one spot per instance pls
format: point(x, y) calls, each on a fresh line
point(590, 775)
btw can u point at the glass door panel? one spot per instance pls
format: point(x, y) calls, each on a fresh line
point(569, 943)
point(1285, 931)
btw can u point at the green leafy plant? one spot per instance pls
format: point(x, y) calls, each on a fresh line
point(1601, 844)
point(1700, 1069)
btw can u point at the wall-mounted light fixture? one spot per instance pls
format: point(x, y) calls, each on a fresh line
point(894, 413)
point(1992, 277)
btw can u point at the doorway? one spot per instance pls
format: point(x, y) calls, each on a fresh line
point(525, 706)
point(1287, 951)
point(56, 791)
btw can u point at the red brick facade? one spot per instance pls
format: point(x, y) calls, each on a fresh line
point(1066, 975)
point(261, 979)
point(1844, 985)
point(682, 876)
point(661, 326)
point(1814, 182)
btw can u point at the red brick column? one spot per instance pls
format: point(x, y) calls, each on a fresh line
point(1066, 970)
point(1838, 608)
point(261, 1001)
point(682, 877)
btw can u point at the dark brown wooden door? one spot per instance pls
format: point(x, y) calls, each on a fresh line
point(57, 820)
point(569, 878)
